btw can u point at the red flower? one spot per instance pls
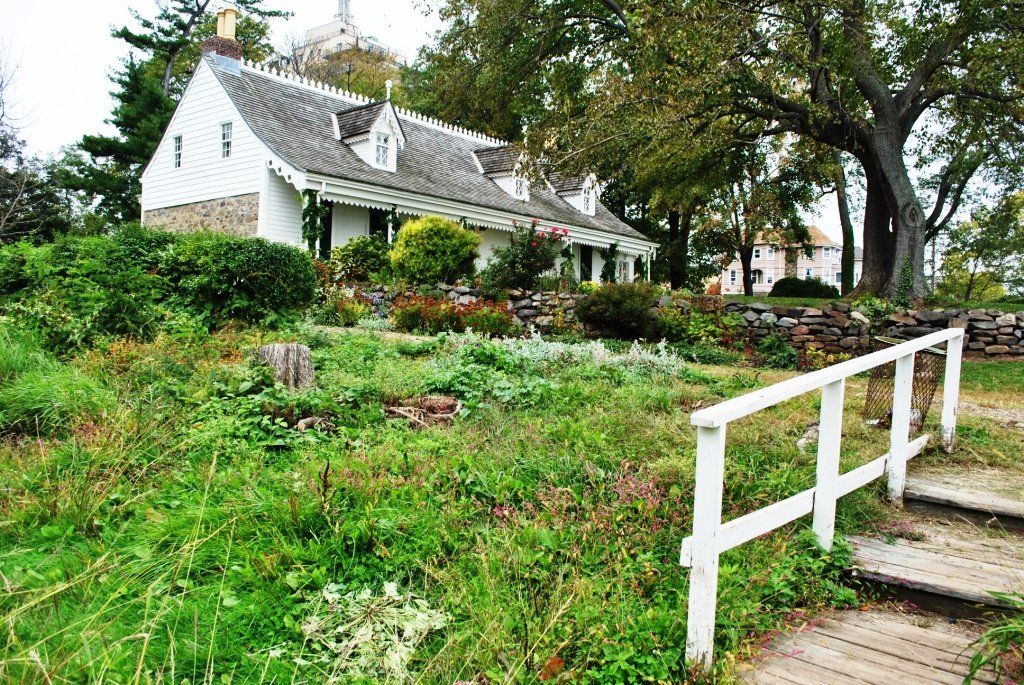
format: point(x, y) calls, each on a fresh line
point(533, 243)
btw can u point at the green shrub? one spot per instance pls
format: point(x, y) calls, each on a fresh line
point(434, 250)
point(797, 287)
point(710, 327)
point(620, 310)
point(360, 257)
point(876, 309)
point(222, 277)
point(78, 290)
point(776, 353)
point(14, 259)
point(530, 252)
point(143, 246)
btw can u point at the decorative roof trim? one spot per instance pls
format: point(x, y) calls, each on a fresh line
point(358, 99)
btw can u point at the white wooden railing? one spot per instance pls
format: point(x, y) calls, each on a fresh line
point(711, 537)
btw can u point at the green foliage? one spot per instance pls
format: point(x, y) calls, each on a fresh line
point(620, 310)
point(430, 315)
point(142, 246)
point(434, 250)
point(313, 214)
point(221, 277)
point(361, 257)
point(610, 269)
point(901, 300)
point(876, 309)
point(341, 308)
point(775, 352)
point(531, 252)
point(1002, 644)
point(798, 287)
point(981, 258)
point(710, 327)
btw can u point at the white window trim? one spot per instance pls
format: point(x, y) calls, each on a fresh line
point(178, 147)
point(771, 253)
point(757, 253)
point(770, 275)
point(808, 273)
point(732, 277)
point(226, 138)
point(382, 145)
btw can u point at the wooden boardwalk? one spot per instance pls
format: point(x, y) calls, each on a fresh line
point(875, 647)
point(946, 555)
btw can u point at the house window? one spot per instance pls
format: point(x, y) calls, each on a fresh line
point(839, 278)
point(586, 263)
point(826, 275)
point(520, 187)
point(757, 253)
point(225, 139)
point(771, 253)
point(771, 276)
point(826, 252)
point(383, 149)
point(757, 276)
point(808, 273)
point(177, 152)
point(588, 200)
point(732, 277)
point(623, 271)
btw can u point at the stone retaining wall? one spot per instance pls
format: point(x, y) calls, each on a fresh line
point(237, 216)
point(836, 328)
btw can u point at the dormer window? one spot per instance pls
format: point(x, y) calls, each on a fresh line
point(588, 200)
point(520, 187)
point(383, 145)
point(581, 192)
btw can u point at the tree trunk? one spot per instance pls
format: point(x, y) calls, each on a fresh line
point(849, 249)
point(675, 259)
point(292, 364)
point(792, 254)
point(746, 255)
point(878, 238)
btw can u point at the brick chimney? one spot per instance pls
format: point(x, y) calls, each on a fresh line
point(224, 43)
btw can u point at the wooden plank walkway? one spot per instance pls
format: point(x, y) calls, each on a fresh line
point(953, 560)
point(988, 491)
point(869, 648)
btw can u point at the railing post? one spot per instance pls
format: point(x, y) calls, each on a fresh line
point(951, 391)
point(830, 432)
point(899, 435)
point(707, 517)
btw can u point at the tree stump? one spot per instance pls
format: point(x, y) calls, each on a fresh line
point(291, 362)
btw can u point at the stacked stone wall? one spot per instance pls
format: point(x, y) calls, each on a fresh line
point(837, 328)
point(237, 216)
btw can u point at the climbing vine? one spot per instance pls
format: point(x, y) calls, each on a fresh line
point(313, 213)
point(901, 300)
point(610, 254)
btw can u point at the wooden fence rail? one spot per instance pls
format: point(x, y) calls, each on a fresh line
point(711, 537)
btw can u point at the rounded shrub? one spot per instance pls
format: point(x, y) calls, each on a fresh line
point(222, 277)
point(620, 310)
point(434, 250)
point(143, 246)
point(531, 252)
point(797, 287)
point(360, 257)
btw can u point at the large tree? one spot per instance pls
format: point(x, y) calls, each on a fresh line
point(983, 255)
point(904, 88)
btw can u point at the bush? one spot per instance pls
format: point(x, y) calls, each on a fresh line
point(796, 287)
point(360, 257)
point(620, 310)
point(530, 253)
point(221, 277)
point(775, 352)
point(143, 246)
point(434, 250)
point(430, 315)
point(342, 308)
point(697, 327)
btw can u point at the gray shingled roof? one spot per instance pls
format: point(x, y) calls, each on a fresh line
point(295, 123)
point(358, 120)
point(496, 160)
point(566, 184)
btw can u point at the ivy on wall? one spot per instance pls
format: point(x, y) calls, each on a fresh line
point(314, 211)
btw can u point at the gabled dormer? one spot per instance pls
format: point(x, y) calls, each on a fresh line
point(582, 192)
point(504, 165)
point(373, 132)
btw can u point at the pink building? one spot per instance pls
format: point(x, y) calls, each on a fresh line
point(769, 265)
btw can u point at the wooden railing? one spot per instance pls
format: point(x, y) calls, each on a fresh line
point(711, 537)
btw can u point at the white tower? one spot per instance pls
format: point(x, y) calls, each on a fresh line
point(344, 12)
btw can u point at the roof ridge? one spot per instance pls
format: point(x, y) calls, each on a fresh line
point(347, 94)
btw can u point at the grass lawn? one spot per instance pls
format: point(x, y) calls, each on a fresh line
point(167, 524)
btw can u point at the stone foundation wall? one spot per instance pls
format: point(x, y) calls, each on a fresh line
point(835, 328)
point(237, 216)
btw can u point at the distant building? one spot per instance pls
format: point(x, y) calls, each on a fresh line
point(342, 35)
point(769, 264)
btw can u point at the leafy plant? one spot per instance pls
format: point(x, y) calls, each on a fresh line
point(799, 287)
point(341, 308)
point(434, 250)
point(610, 268)
point(430, 315)
point(711, 327)
point(876, 309)
point(775, 352)
point(313, 214)
point(620, 310)
point(360, 257)
point(1002, 644)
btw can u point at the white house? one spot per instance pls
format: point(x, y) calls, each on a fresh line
point(768, 264)
point(246, 141)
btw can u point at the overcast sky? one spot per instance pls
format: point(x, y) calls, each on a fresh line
point(62, 53)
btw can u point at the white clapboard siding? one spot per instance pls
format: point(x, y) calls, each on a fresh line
point(348, 222)
point(280, 211)
point(204, 174)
